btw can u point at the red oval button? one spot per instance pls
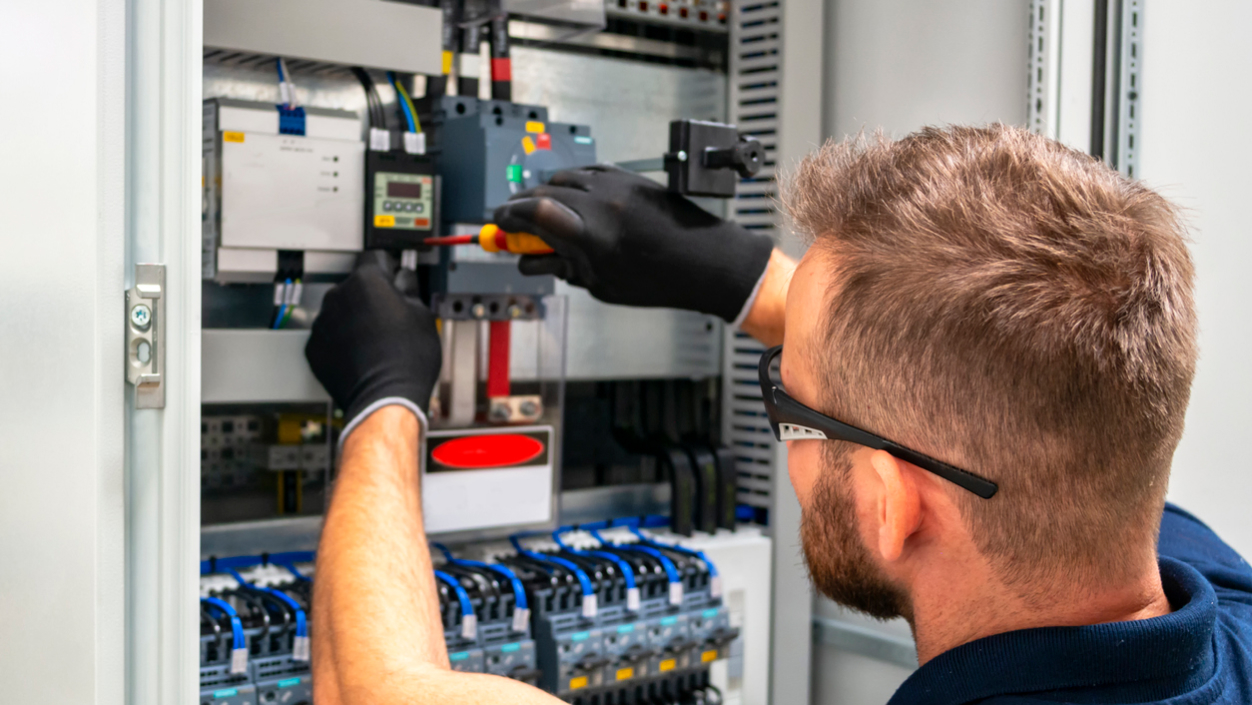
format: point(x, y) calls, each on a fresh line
point(487, 451)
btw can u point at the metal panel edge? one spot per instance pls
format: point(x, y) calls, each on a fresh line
point(865, 641)
point(799, 132)
point(372, 33)
point(162, 455)
point(247, 366)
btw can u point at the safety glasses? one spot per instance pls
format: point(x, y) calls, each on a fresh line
point(792, 421)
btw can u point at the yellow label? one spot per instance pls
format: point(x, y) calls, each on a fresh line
point(384, 221)
point(708, 656)
point(447, 63)
point(232, 137)
point(528, 144)
point(579, 682)
point(668, 665)
point(625, 673)
point(534, 126)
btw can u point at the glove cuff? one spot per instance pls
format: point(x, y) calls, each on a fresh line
point(747, 305)
point(363, 414)
point(737, 277)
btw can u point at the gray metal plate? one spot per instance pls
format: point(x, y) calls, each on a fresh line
point(628, 105)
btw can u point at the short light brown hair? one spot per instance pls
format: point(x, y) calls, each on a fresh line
point(1017, 309)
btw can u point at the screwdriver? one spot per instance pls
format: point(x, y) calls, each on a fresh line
point(492, 239)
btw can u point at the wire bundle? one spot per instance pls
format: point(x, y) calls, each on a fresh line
point(287, 296)
point(375, 115)
point(633, 597)
point(300, 647)
point(589, 603)
point(239, 643)
point(521, 610)
point(407, 108)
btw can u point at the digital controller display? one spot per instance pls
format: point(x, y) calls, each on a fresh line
point(401, 189)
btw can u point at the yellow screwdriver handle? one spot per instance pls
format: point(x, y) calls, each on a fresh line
point(492, 239)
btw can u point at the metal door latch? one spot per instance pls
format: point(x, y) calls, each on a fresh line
point(145, 336)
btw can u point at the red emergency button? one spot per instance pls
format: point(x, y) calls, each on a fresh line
point(487, 451)
point(543, 140)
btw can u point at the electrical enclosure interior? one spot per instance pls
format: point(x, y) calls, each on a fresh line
point(567, 438)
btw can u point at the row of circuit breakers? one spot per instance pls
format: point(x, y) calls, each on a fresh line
point(597, 616)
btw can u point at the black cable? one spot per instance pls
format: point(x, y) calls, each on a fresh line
point(1099, 76)
point(501, 63)
point(377, 118)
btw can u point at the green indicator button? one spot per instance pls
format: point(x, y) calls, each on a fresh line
point(515, 173)
point(288, 682)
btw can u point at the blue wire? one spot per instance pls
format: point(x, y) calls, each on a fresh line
point(681, 549)
point(236, 625)
point(467, 608)
point(282, 309)
point(670, 570)
point(519, 593)
point(627, 572)
point(404, 106)
point(279, 63)
point(289, 559)
point(568, 565)
point(302, 622)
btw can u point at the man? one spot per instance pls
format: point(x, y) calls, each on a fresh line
point(988, 355)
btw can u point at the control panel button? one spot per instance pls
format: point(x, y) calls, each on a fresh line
point(387, 205)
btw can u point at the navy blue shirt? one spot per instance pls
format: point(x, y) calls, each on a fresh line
point(1200, 653)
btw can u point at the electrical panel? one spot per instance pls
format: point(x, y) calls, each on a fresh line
point(585, 518)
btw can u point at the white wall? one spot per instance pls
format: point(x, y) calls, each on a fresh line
point(61, 375)
point(1196, 151)
point(899, 65)
point(902, 64)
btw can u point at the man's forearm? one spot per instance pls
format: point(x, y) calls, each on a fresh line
point(378, 635)
point(765, 320)
point(376, 595)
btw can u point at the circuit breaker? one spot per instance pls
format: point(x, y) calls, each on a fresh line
point(491, 150)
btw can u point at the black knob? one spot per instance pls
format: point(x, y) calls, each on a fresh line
point(746, 157)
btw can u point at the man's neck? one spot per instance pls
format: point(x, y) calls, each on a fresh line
point(941, 623)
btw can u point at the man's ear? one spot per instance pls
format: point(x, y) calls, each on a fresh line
point(900, 506)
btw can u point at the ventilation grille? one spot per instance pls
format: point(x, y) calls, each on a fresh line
point(755, 54)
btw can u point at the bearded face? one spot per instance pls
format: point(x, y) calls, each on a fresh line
point(839, 563)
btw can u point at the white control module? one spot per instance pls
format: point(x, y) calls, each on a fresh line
point(267, 191)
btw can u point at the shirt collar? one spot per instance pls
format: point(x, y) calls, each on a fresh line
point(1174, 646)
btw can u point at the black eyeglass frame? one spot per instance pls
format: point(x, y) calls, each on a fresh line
point(792, 420)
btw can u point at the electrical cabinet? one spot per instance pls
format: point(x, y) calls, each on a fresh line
point(211, 182)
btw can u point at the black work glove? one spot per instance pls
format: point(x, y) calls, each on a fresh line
point(629, 240)
point(374, 342)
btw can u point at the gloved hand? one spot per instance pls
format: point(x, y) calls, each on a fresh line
point(374, 342)
point(629, 240)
